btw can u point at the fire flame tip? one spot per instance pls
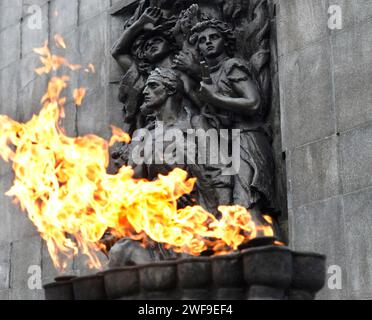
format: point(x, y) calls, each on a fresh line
point(58, 39)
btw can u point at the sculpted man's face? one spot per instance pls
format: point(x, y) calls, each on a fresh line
point(211, 43)
point(155, 95)
point(156, 49)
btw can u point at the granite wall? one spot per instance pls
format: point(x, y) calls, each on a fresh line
point(85, 25)
point(326, 106)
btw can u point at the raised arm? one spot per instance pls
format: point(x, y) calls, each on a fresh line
point(122, 48)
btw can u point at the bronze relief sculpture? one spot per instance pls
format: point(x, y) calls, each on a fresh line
point(234, 96)
point(199, 65)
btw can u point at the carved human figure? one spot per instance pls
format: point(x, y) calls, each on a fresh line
point(163, 96)
point(187, 60)
point(143, 46)
point(234, 96)
point(183, 71)
point(164, 106)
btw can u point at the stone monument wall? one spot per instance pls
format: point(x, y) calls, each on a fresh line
point(326, 105)
point(85, 26)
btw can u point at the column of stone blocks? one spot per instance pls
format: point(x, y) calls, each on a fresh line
point(325, 87)
point(84, 24)
point(10, 15)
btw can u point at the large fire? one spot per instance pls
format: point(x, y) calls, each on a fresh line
point(62, 183)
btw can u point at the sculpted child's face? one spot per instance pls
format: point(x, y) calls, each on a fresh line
point(211, 43)
point(156, 49)
point(155, 95)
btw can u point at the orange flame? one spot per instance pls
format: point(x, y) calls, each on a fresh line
point(90, 68)
point(60, 41)
point(118, 135)
point(52, 62)
point(62, 183)
point(79, 95)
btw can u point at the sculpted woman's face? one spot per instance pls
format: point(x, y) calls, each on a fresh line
point(211, 43)
point(156, 49)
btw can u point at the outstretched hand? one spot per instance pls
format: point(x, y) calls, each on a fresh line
point(150, 18)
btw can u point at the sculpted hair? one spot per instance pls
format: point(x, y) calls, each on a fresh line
point(223, 28)
point(169, 78)
point(164, 32)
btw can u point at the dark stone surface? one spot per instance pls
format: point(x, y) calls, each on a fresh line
point(194, 273)
point(123, 282)
point(62, 290)
point(227, 271)
point(308, 275)
point(158, 277)
point(268, 273)
point(89, 288)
